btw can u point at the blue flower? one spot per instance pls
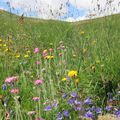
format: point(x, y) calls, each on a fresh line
point(48, 108)
point(98, 110)
point(108, 108)
point(117, 113)
point(89, 115)
point(59, 116)
point(68, 78)
point(54, 104)
point(70, 101)
point(88, 101)
point(73, 94)
point(64, 95)
point(93, 108)
point(66, 113)
point(4, 86)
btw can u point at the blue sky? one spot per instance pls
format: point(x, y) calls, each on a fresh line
point(74, 10)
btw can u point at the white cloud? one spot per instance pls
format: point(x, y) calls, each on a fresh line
point(51, 9)
point(71, 19)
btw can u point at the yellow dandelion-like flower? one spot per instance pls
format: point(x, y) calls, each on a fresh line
point(0, 40)
point(72, 73)
point(17, 56)
point(0, 45)
point(28, 51)
point(4, 45)
point(49, 57)
point(64, 79)
point(82, 33)
point(77, 81)
point(26, 56)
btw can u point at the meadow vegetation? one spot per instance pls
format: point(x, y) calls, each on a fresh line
point(58, 70)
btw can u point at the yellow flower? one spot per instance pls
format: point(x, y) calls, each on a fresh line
point(26, 56)
point(98, 61)
point(50, 57)
point(6, 50)
point(74, 55)
point(64, 79)
point(28, 51)
point(84, 50)
point(76, 81)
point(93, 68)
point(0, 40)
point(82, 33)
point(0, 45)
point(4, 45)
point(45, 51)
point(72, 73)
point(17, 56)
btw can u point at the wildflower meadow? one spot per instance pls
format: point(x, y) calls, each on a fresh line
point(55, 70)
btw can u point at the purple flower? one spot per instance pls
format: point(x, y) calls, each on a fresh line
point(48, 108)
point(73, 94)
point(54, 104)
point(59, 116)
point(76, 102)
point(98, 110)
point(93, 108)
point(89, 115)
point(64, 95)
point(70, 101)
point(4, 86)
point(68, 78)
point(108, 108)
point(88, 101)
point(66, 113)
point(118, 92)
point(117, 113)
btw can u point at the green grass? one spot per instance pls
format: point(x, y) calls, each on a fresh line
point(93, 54)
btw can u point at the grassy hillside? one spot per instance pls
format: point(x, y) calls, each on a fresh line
point(84, 58)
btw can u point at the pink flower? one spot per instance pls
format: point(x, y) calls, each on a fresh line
point(44, 53)
point(36, 50)
point(11, 79)
point(38, 82)
point(50, 49)
point(14, 91)
point(39, 119)
point(31, 113)
point(36, 98)
point(38, 62)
